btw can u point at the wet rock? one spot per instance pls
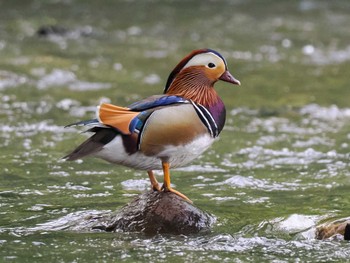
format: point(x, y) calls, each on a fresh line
point(157, 212)
point(149, 213)
point(347, 232)
point(61, 31)
point(330, 229)
point(44, 31)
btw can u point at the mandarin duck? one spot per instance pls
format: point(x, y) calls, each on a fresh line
point(163, 131)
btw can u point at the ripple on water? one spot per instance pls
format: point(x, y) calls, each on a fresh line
point(73, 221)
point(327, 114)
point(205, 168)
point(266, 184)
point(29, 129)
point(283, 156)
point(249, 182)
point(9, 79)
point(62, 77)
point(243, 247)
point(318, 56)
point(136, 184)
point(70, 186)
point(296, 222)
point(309, 140)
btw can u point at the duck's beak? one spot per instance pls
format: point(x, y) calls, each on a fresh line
point(226, 76)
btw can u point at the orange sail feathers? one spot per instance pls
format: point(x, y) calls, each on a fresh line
point(116, 117)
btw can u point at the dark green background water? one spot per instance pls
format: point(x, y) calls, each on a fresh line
point(280, 167)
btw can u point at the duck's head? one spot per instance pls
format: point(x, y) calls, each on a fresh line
point(197, 71)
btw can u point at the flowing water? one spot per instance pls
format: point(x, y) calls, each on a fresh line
point(280, 167)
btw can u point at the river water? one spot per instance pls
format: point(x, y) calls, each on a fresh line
point(280, 167)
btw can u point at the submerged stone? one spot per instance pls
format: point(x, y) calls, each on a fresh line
point(47, 30)
point(330, 229)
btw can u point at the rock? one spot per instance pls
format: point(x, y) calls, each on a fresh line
point(149, 213)
point(330, 229)
point(157, 212)
point(45, 31)
point(49, 31)
point(347, 232)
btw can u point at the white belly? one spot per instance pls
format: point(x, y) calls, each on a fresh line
point(178, 155)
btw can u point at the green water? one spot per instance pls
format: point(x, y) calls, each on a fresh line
point(281, 164)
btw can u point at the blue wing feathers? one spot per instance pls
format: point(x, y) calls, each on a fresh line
point(145, 107)
point(148, 105)
point(156, 101)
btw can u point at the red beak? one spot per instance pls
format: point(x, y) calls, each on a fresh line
point(229, 78)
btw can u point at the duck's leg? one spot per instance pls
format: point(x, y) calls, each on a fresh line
point(166, 186)
point(154, 182)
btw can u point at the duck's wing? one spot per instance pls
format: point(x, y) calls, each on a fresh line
point(92, 145)
point(156, 101)
point(126, 120)
point(114, 120)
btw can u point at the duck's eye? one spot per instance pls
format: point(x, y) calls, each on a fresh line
point(211, 65)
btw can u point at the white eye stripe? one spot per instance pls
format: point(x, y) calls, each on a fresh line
point(204, 59)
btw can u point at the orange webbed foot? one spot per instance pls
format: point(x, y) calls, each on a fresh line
point(166, 186)
point(172, 190)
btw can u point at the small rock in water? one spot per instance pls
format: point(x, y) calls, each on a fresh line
point(149, 213)
point(347, 232)
point(45, 31)
point(158, 212)
point(330, 229)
